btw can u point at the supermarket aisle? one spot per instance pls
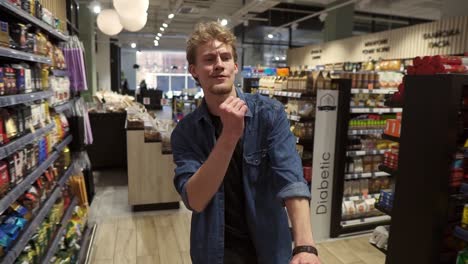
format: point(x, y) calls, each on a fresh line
point(163, 237)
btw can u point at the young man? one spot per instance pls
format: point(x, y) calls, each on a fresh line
point(237, 166)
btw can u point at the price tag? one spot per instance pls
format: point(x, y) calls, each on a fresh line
point(290, 94)
point(146, 100)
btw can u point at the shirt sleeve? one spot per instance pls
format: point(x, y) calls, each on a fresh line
point(286, 164)
point(186, 162)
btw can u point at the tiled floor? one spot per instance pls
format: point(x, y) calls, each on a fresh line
point(163, 236)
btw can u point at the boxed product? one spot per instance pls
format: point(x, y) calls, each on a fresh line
point(4, 34)
point(393, 127)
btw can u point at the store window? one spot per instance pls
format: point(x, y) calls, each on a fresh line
point(164, 70)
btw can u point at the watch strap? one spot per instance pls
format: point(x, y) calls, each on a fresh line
point(307, 249)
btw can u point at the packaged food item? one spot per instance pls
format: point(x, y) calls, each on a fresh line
point(464, 222)
point(4, 34)
point(10, 123)
point(19, 166)
point(18, 35)
point(10, 81)
point(4, 178)
point(364, 186)
point(356, 187)
point(350, 208)
point(361, 207)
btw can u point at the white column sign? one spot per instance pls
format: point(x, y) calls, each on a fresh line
point(323, 163)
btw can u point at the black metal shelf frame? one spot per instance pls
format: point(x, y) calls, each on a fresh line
point(24, 98)
point(25, 16)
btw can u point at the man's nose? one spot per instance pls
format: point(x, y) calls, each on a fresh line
point(219, 65)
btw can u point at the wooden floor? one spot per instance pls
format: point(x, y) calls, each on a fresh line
point(163, 237)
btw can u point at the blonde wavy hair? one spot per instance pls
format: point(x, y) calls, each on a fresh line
point(205, 32)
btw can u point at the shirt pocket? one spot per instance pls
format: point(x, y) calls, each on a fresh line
point(255, 163)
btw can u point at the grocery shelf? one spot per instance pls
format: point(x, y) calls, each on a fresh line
point(365, 220)
point(353, 132)
point(387, 169)
point(59, 72)
point(380, 249)
point(389, 137)
point(21, 55)
point(356, 153)
point(19, 189)
point(362, 197)
point(31, 228)
point(298, 118)
point(373, 91)
point(66, 176)
point(19, 143)
point(25, 16)
point(62, 107)
point(374, 110)
point(60, 146)
point(383, 209)
point(60, 232)
point(283, 93)
point(24, 98)
point(86, 244)
point(352, 176)
point(461, 233)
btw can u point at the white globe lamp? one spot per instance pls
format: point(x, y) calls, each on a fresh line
point(134, 23)
point(131, 7)
point(108, 22)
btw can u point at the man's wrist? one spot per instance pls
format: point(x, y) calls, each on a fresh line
point(305, 249)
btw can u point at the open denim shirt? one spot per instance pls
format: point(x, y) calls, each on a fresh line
point(272, 172)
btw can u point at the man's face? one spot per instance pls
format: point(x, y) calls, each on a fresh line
point(214, 67)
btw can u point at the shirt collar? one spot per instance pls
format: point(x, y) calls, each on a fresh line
point(205, 114)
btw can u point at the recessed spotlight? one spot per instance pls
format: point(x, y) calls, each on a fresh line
point(224, 22)
point(270, 36)
point(162, 29)
point(157, 38)
point(165, 25)
point(156, 44)
point(133, 45)
point(97, 9)
point(159, 35)
point(170, 16)
point(277, 58)
point(95, 6)
point(283, 58)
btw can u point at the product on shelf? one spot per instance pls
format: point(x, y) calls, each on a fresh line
point(429, 65)
point(391, 158)
point(4, 34)
point(368, 100)
point(61, 88)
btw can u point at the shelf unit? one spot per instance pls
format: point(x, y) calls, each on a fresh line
point(343, 156)
point(24, 98)
point(432, 118)
point(361, 197)
point(60, 232)
point(383, 110)
point(27, 233)
point(284, 93)
point(360, 132)
point(86, 244)
point(373, 91)
point(19, 143)
point(24, 185)
point(24, 16)
point(354, 176)
point(25, 56)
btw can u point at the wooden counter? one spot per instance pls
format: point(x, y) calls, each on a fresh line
point(150, 174)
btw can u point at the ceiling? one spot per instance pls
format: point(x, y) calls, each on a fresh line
point(189, 12)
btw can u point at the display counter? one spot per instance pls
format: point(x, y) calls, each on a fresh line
point(150, 167)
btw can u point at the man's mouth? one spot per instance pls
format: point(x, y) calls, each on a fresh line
point(220, 76)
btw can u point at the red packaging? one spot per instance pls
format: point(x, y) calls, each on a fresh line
point(417, 61)
point(4, 178)
point(426, 60)
point(307, 173)
point(411, 70)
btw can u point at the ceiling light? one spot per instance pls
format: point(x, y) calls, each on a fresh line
point(283, 58)
point(97, 9)
point(162, 29)
point(157, 38)
point(170, 16)
point(224, 22)
point(133, 45)
point(159, 35)
point(156, 44)
point(270, 36)
point(277, 58)
point(165, 25)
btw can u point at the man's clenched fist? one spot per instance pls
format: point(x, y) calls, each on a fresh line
point(231, 113)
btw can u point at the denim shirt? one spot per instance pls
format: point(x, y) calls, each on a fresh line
point(272, 172)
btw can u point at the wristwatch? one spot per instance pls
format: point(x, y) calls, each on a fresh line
point(307, 249)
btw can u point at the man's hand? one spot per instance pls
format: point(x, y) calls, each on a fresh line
point(305, 258)
point(231, 113)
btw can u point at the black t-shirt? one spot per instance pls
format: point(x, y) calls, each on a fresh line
point(236, 229)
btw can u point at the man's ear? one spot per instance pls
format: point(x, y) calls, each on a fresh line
point(193, 71)
point(236, 68)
